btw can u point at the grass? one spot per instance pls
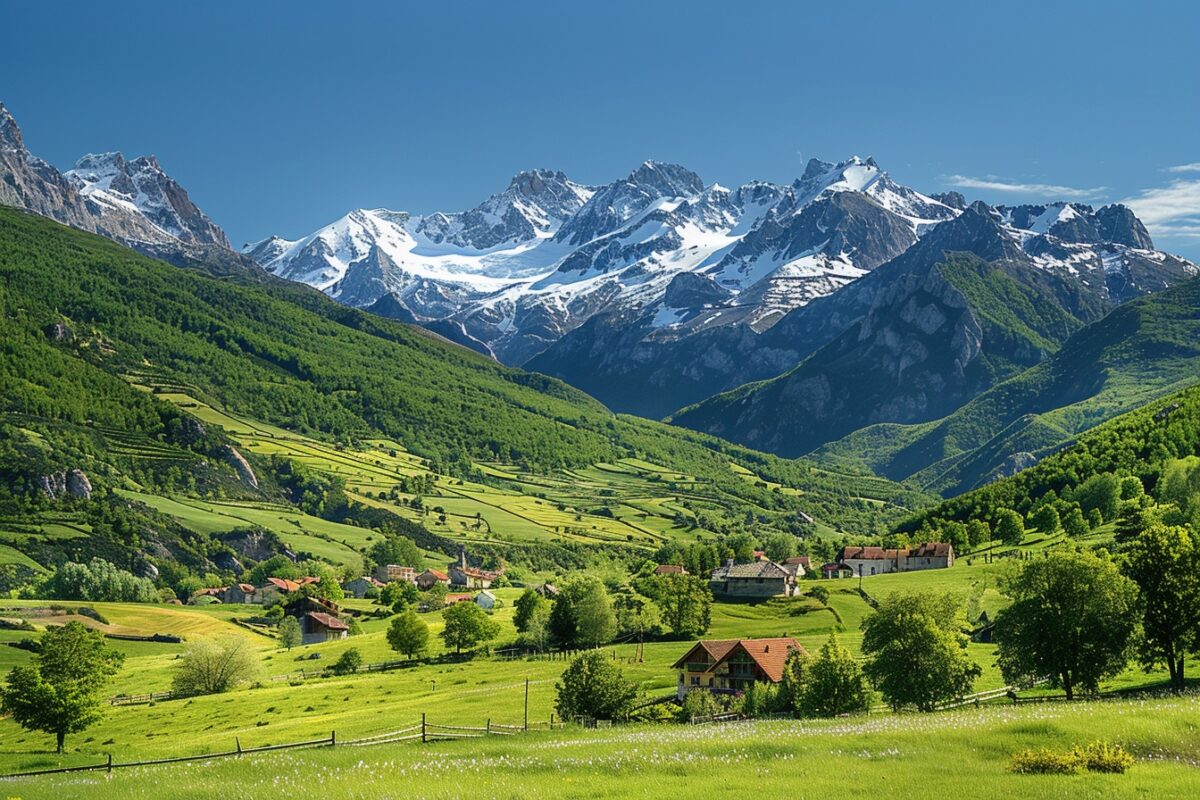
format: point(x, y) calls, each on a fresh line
point(955, 754)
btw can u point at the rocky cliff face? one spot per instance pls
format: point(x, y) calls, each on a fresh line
point(134, 202)
point(977, 300)
point(72, 483)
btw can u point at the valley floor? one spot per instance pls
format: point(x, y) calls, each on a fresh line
point(960, 754)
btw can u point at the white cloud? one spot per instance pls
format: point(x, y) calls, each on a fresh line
point(993, 184)
point(1192, 167)
point(1172, 210)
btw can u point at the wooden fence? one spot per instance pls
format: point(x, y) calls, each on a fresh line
point(424, 731)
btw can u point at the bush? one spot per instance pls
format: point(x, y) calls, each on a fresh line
point(1044, 762)
point(348, 663)
point(1101, 756)
point(701, 703)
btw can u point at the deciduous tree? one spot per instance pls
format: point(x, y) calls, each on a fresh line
point(408, 634)
point(594, 686)
point(916, 651)
point(1072, 621)
point(59, 693)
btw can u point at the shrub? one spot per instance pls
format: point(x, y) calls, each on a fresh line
point(594, 686)
point(701, 703)
point(1101, 756)
point(1044, 762)
point(349, 662)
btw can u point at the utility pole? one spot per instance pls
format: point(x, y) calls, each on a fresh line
point(527, 704)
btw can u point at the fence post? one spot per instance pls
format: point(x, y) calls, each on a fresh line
point(238, 741)
point(488, 729)
point(332, 738)
point(423, 739)
point(110, 762)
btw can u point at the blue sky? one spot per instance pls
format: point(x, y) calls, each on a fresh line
point(280, 117)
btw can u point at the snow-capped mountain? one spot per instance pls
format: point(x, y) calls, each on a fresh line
point(133, 202)
point(539, 259)
point(120, 189)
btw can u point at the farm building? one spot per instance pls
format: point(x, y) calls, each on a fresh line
point(463, 574)
point(835, 570)
point(547, 590)
point(319, 621)
point(485, 600)
point(387, 573)
point(359, 587)
point(761, 579)
point(241, 593)
point(732, 665)
point(880, 561)
point(670, 569)
point(430, 578)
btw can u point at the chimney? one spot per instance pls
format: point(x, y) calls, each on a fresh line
point(462, 555)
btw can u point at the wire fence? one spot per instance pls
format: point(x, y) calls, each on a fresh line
point(423, 731)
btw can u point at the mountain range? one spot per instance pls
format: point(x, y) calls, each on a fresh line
point(843, 314)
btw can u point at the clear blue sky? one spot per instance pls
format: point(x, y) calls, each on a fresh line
point(280, 117)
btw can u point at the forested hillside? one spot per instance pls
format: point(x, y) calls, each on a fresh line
point(1138, 352)
point(87, 325)
point(1156, 445)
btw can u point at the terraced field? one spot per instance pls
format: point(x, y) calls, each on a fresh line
point(631, 502)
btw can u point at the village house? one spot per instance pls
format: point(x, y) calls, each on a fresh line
point(732, 665)
point(359, 587)
point(485, 600)
point(670, 569)
point(547, 590)
point(279, 588)
point(319, 620)
point(389, 573)
point(835, 570)
point(868, 561)
point(241, 593)
point(761, 579)
point(205, 596)
point(799, 566)
point(463, 574)
point(430, 578)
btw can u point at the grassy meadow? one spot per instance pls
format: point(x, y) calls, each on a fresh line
point(962, 753)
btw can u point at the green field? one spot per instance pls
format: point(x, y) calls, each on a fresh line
point(952, 754)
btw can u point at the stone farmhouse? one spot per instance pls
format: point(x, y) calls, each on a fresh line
point(761, 579)
point(867, 561)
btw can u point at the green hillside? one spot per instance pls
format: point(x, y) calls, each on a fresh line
point(1141, 444)
point(144, 375)
point(1140, 351)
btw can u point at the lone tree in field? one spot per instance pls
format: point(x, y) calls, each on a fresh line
point(1046, 520)
point(1010, 528)
point(209, 668)
point(59, 692)
point(916, 651)
point(1072, 621)
point(467, 626)
point(1165, 564)
point(594, 686)
point(408, 634)
point(834, 684)
point(290, 634)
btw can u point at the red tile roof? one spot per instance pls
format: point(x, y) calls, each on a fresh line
point(670, 569)
point(441, 576)
point(715, 648)
point(769, 654)
point(284, 584)
point(328, 620)
point(451, 599)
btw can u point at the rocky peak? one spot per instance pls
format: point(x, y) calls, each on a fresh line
point(10, 133)
point(1118, 224)
point(668, 180)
